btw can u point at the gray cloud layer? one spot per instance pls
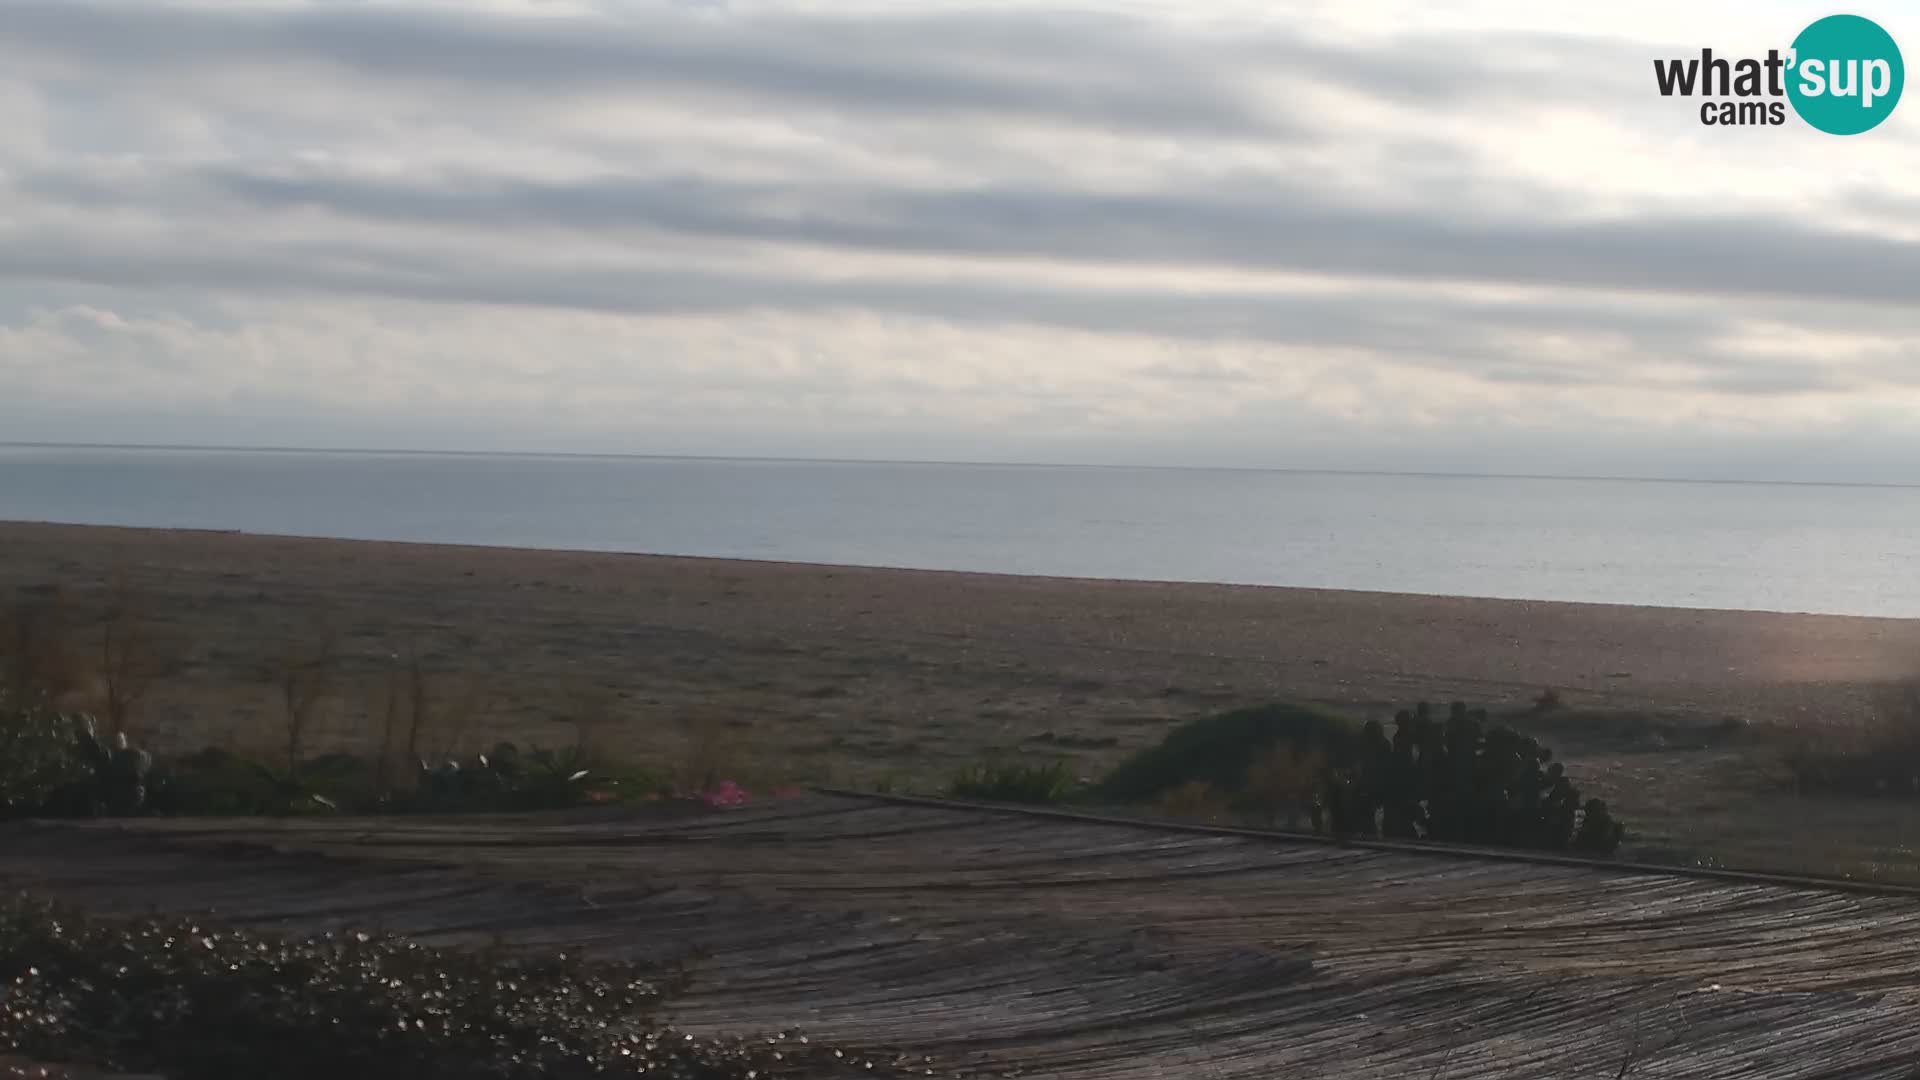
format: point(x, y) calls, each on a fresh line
point(1272, 228)
point(1191, 185)
point(1105, 71)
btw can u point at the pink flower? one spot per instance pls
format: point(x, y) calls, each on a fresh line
point(725, 793)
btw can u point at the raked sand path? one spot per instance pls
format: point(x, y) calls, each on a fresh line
point(1087, 949)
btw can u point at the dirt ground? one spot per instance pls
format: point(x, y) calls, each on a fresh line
point(851, 675)
point(1023, 945)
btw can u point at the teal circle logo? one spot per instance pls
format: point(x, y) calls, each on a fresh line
point(1846, 76)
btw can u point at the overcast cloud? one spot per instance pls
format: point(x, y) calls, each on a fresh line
point(1204, 232)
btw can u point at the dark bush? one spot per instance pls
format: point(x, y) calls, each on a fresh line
point(1015, 782)
point(195, 1002)
point(218, 783)
point(1453, 781)
point(38, 756)
point(1217, 751)
point(1461, 781)
point(54, 764)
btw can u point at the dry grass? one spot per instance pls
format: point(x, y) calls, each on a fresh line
point(1196, 800)
point(1283, 782)
point(1879, 757)
point(304, 674)
point(132, 655)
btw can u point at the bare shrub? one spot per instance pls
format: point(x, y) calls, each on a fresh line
point(40, 654)
point(303, 678)
point(711, 752)
point(595, 714)
point(130, 653)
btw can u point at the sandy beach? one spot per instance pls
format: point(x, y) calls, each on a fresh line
point(871, 667)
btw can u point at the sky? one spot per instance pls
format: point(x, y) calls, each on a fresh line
point(1460, 237)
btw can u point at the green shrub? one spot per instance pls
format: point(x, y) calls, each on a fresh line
point(195, 1002)
point(1217, 751)
point(38, 756)
point(218, 783)
point(59, 765)
point(1015, 782)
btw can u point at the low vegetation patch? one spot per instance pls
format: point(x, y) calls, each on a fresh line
point(60, 761)
point(1016, 782)
point(55, 764)
point(195, 1002)
point(1879, 759)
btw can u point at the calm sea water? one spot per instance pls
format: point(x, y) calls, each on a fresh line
point(1844, 550)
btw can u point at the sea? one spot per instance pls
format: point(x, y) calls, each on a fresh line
point(1838, 549)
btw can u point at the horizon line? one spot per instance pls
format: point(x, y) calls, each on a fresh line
point(762, 458)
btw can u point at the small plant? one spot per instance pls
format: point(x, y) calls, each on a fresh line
point(726, 793)
point(1015, 782)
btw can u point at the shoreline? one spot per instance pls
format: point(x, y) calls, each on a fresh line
point(1898, 485)
point(8, 525)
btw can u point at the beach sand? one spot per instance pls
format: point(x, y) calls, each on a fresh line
point(899, 659)
point(783, 672)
